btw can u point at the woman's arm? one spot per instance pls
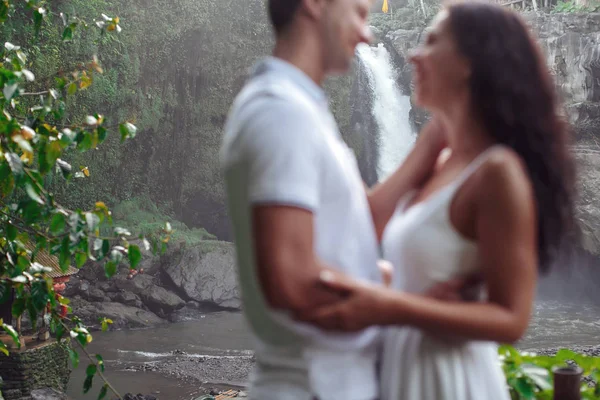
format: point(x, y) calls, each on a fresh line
point(416, 168)
point(506, 231)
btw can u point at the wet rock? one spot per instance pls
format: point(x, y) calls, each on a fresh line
point(137, 285)
point(48, 394)
point(130, 396)
point(206, 273)
point(96, 295)
point(128, 298)
point(123, 316)
point(161, 301)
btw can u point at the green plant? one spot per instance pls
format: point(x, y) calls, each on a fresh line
point(573, 7)
point(36, 137)
point(529, 376)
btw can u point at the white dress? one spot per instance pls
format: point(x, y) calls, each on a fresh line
point(425, 249)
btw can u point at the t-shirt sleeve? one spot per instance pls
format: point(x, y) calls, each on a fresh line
point(283, 148)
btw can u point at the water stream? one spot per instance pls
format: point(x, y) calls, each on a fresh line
point(390, 108)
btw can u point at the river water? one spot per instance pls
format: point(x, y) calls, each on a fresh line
point(224, 334)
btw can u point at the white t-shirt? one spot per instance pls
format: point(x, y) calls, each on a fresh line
point(282, 146)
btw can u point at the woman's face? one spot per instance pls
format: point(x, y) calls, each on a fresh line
point(441, 73)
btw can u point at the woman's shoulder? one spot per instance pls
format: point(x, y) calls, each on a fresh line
point(503, 178)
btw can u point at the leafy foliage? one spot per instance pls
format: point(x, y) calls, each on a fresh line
point(529, 376)
point(36, 138)
point(575, 7)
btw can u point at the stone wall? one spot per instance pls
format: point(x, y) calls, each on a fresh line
point(41, 367)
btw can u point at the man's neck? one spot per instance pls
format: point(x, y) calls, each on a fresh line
point(303, 52)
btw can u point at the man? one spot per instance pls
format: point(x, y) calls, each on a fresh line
point(299, 207)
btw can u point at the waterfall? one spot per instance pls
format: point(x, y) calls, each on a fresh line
point(390, 109)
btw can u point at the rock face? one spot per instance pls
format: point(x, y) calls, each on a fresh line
point(48, 394)
point(207, 274)
point(123, 316)
point(571, 44)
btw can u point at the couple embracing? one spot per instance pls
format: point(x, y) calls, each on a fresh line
point(480, 205)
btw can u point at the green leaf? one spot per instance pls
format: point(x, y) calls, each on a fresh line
point(135, 255)
point(103, 392)
point(86, 143)
point(31, 192)
point(39, 295)
point(58, 224)
point(74, 356)
point(23, 263)
point(64, 301)
point(52, 151)
point(87, 384)
point(104, 249)
point(105, 322)
point(18, 307)
point(67, 34)
point(4, 7)
point(65, 255)
point(102, 134)
point(38, 18)
point(33, 313)
point(60, 331)
point(72, 88)
point(100, 362)
point(3, 349)
point(128, 131)
point(12, 333)
point(80, 259)
point(110, 268)
point(11, 231)
point(525, 388)
point(91, 370)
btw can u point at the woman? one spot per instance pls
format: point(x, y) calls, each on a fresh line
point(499, 206)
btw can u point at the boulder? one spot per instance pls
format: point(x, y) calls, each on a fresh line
point(123, 316)
point(161, 301)
point(128, 298)
point(48, 394)
point(206, 273)
point(94, 294)
point(137, 285)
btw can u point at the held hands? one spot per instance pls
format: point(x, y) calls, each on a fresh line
point(361, 307)
point(365, 304)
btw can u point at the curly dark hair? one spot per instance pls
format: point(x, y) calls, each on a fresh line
point(513, 96)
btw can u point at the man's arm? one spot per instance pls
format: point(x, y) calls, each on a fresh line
point(283, 148)
point(288, 269)
point(412, 173)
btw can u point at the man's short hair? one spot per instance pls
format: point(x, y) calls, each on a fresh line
point(282, 13)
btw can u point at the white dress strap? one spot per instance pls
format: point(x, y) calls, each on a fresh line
point(474, 166)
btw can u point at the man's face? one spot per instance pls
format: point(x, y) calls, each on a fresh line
point(343, 25)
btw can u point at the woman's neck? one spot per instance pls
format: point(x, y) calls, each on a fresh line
point(466, 135)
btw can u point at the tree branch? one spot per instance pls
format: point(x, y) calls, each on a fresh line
point(36, 93)
point(95, 362)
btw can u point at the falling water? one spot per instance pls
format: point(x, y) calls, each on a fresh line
point(390, 109)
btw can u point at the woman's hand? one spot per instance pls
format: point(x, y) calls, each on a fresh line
point(362, 307)
point(387, 271)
